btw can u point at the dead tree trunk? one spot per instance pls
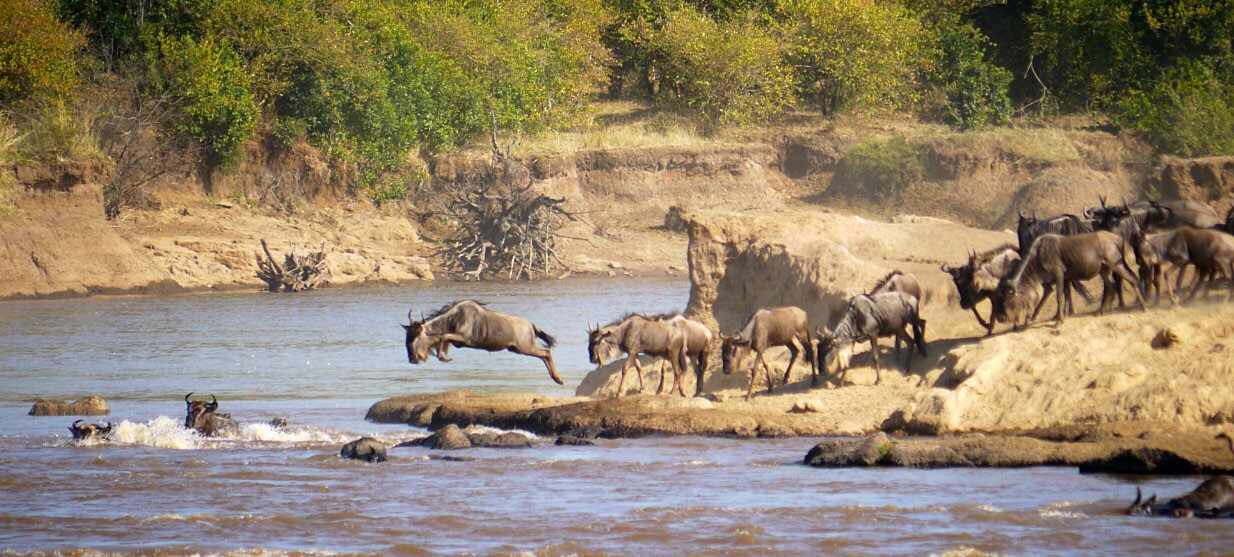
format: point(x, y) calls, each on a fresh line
point(297, 273)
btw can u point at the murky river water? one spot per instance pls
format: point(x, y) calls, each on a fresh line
point(322, 358)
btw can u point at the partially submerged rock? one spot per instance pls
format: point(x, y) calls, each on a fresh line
point(86, 406)
point(448, 438)
point(364, 448)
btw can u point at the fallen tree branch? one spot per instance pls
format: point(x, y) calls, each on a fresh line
point(297, 273)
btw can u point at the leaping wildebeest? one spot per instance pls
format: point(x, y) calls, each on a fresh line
point(1212, 499)
point(1058, 260)
point(468, 324)
point(82, 430)
point(869, 317)
point(204, 419)
point(767, 327)
point(978, 279)
point(698, 343)
point(637, 334)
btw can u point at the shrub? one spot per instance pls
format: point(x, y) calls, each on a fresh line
point(1188, 112)
point(729, 73)
point(975, 90)
point(55, 130)
point(210, 85)
point(852, 54)
point(39, 55)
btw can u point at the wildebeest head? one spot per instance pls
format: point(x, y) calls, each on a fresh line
point(417, 342)
point(733, 351)
point(197, 409)
point(82, 430)
point(599, 344)
point(962, 276)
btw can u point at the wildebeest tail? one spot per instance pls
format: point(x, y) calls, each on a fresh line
point(549, 341)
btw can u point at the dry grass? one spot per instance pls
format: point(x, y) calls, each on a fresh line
point(57, 131)
point(10, 141)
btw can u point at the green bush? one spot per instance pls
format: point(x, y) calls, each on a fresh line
point(852, 54)
point(884, 167)
point(1188, 111)
point(210, 84)
point(731, 73)
point(39, 55)
point(975, 90)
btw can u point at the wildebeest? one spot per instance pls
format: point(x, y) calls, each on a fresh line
point(1212, 499)
point(1030, 228)
point(82, 430)
point(364, 448)
point(697, 345)
point(1164, 215)
point(637, 334)
point(469, 324)
point(767, 327)
point(1058, 260)
point(869, 317)
point(204, 418)
point(978, 279)
point(1211, 251)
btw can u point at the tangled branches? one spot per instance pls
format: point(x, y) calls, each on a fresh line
point(297, 273)
point(504, 229)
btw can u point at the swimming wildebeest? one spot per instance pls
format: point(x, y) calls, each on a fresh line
point(637, 334)
point(204, 418)
point(698, 343)
point(1058, 260)
point(1211, 251)
point(978, 279)
point(364, 448)
point(1212, 499)
point(767, 327)
point(469, 324)
point(869, 317)
point(82, 430)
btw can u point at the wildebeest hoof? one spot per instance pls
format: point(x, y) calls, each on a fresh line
point(444, 358)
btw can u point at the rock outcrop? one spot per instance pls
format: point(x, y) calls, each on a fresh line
point(85, 406)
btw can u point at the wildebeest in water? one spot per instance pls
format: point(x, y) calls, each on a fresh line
point(767, 327)
point(1214, 498)
point(82, 430)
point(468, 324)
point(205, 419)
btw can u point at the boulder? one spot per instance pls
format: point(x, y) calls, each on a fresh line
point(507, 440)
point(448, 438)
point(364, 448)
point(86, 406)
point(865, 451)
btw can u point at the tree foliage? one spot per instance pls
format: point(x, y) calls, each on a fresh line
point(39, 54)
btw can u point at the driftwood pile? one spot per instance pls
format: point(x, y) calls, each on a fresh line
point(503, 229)
point(296, 274)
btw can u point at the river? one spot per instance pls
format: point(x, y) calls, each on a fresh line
point(321, 358)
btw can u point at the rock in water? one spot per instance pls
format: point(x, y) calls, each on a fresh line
point(448, 438)
point(86, 406)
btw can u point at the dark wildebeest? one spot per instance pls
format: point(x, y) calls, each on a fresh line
point(869, 317)
point(1212, 499)
point(204, 419)
point(1165, 215)
point(637, 334)
point(1058, 260)
point(1030, 228)
point(767, 327)
point(1211, 251)
point(82, 430)
point(364, 448)
point(698, 343)
point(978, 279)
point(469, 324)
point(896, 281)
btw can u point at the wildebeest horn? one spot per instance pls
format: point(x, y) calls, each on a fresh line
point(944, 267)
point(1102, 199)
point(186, 397)
point(409, 312)
point(214, 404)
point(1020, 211)
point(106, 429)
point(77, 422)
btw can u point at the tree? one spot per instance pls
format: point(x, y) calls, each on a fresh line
point(39, 54)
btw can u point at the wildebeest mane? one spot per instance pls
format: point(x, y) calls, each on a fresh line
point(883, 281)
point(450, 305)
point(987, 255)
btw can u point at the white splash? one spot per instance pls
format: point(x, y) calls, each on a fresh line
point(485, 429)
point(265, 432)
point(161, 432)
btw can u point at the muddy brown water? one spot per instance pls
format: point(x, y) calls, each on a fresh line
point(322, 358)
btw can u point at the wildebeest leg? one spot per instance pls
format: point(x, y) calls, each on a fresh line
point(919, 326)
point(1125, 273)
point(625, 367)
point(809, 347)
point(767, 371)
point(442, 347)
point(660, 389)
point(793, 351)
point(989, 327)
point(1045, 295)
point(639, 368)
point(878, 374)
point(903, 332)
point(700, 369)
point(1169, 288)
point(754, 374)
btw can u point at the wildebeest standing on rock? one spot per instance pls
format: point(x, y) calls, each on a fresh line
point(697, 344)
point(978, 279)
point(82, 430)
point(204, 419)
point(469, 324)
point(767, 327)
point(1058, 260)
point(869, 317)
point(637, 334)
point(1212, 499)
